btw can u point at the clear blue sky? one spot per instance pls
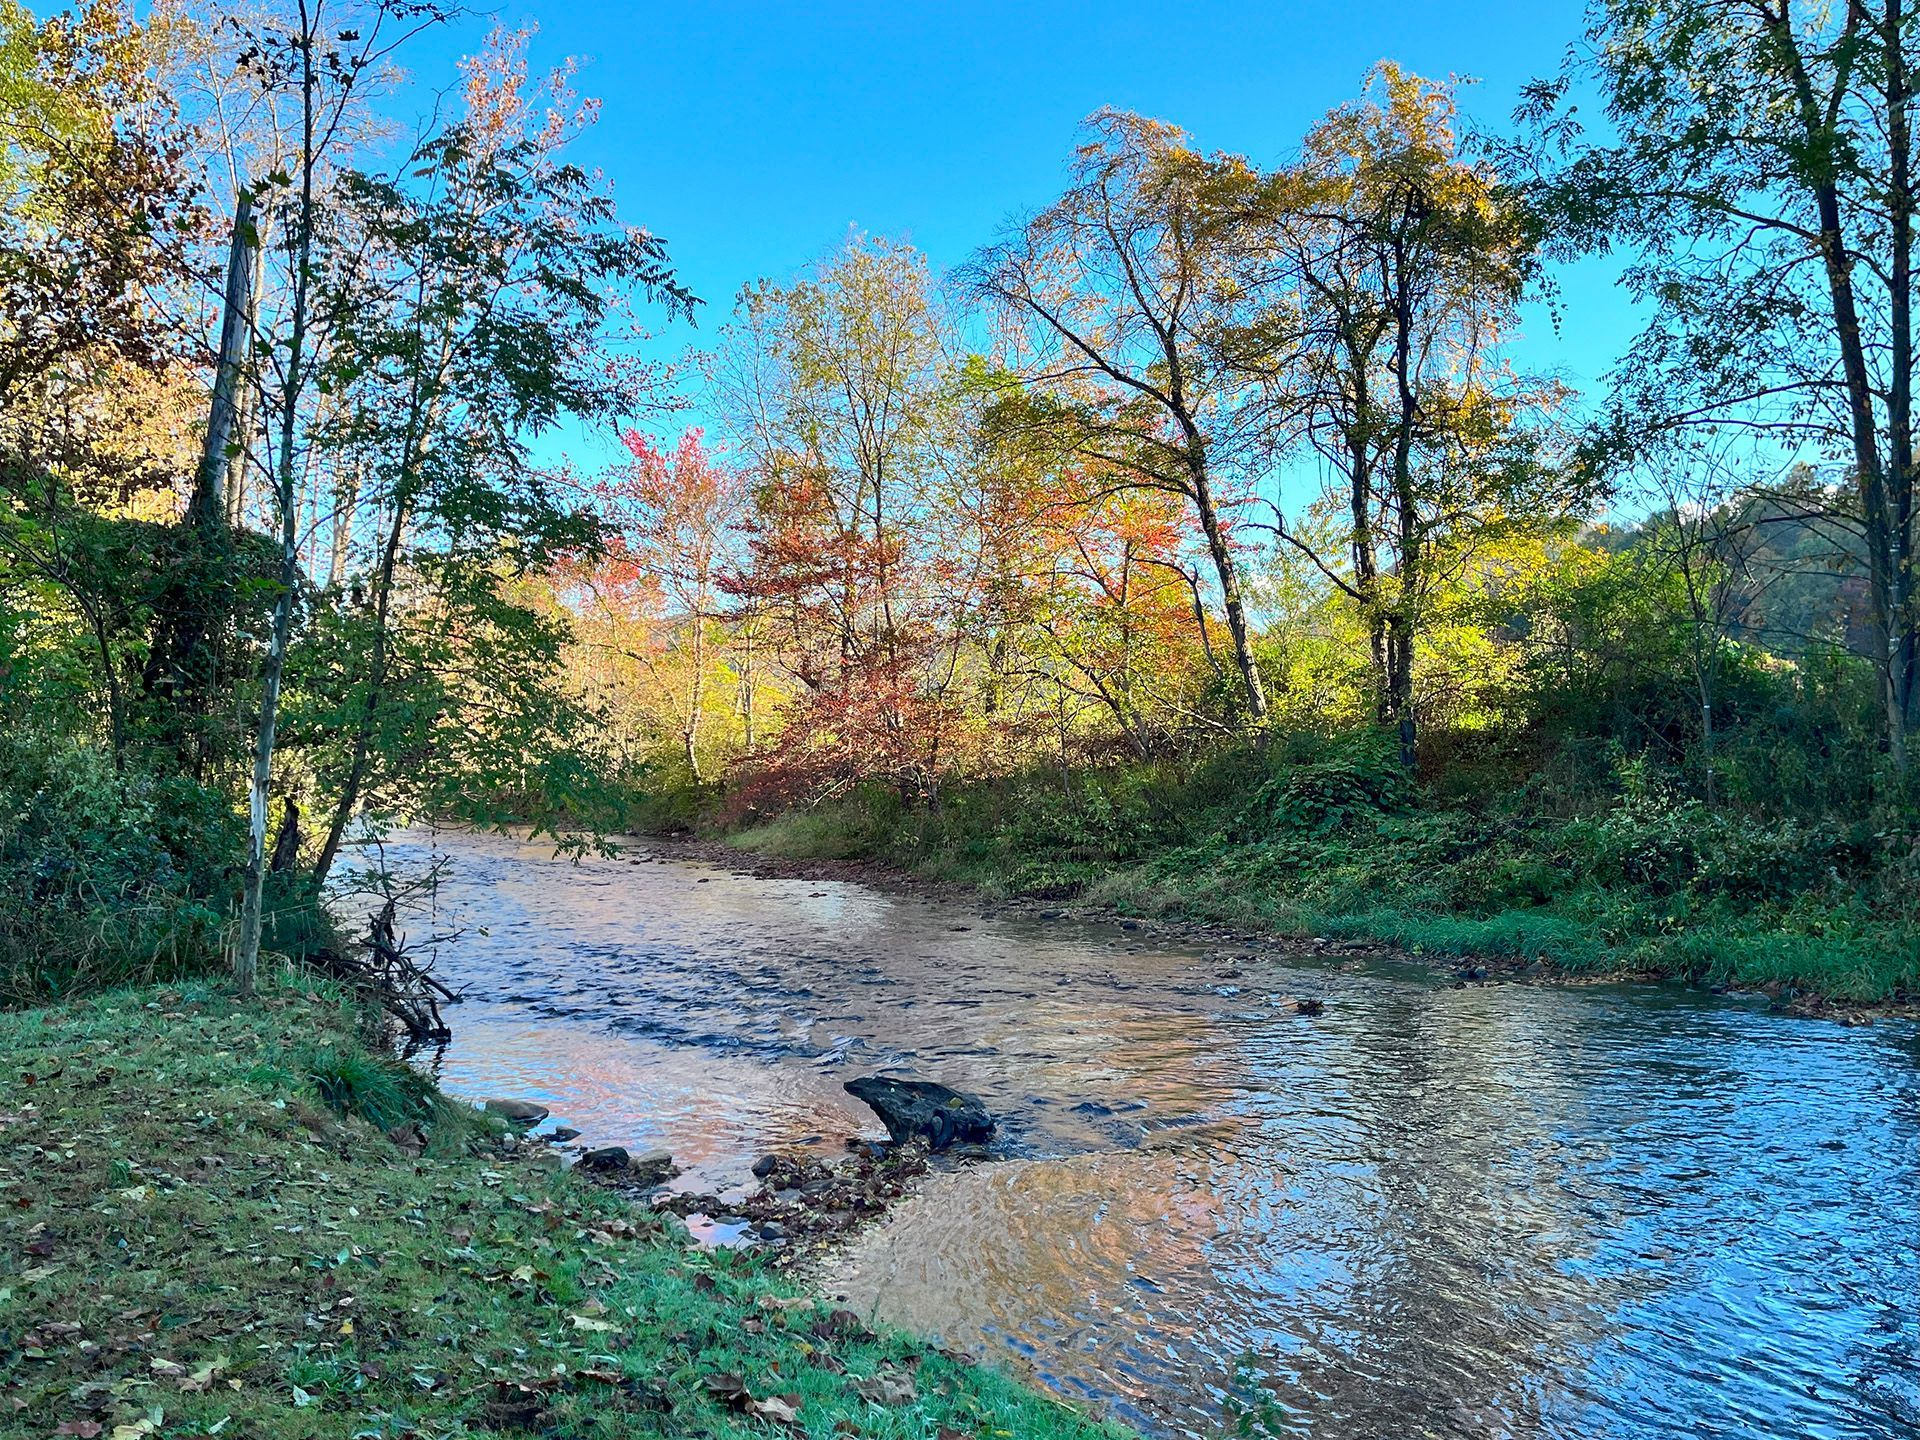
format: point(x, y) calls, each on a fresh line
point(753, 135)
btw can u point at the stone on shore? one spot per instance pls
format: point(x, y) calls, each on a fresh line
point(656, 1167)
point(517, 1112)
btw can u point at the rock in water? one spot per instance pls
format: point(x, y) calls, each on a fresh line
point(517, 1112)
point(607, 1157)
point(656, 1167)
point(924, 1110)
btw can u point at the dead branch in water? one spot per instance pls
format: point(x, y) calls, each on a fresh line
point(405, 987)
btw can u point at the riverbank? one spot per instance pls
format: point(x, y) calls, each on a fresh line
point(1812, 914)
point(238, 1219)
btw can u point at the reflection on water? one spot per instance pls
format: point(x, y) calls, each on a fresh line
point(1496, 1211)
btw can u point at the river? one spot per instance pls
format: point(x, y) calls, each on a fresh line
point(1491, 1211)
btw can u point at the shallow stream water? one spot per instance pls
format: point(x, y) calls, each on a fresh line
point(1503, 1210)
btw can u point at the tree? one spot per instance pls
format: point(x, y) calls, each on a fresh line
point(95, 386)
point(838, 385)
point(1116, 296)
point(471, 321)
point(1387, 271)
point(321, 66)
point(1758, 165)
point(1706, 533)
point(655, 595)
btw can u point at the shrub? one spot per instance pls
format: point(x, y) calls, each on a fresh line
point(106, 877)
point(1333, 784)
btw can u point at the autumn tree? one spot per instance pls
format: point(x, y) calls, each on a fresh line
point(654, 596)
point(97, 393)
point(835, 386)
point(1115, 297)
point(1387, 271)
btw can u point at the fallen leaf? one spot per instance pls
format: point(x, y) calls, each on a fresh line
point(841, 1324)
point(587, 1322)
point(888, 1387)
point(786, 1302)
point(202, 1378)
point(781, 1409)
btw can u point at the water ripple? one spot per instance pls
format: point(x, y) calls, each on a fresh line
point(1496, 1211)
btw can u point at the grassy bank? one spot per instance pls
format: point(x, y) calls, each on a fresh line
point(206, 1229)
point(1328, 838)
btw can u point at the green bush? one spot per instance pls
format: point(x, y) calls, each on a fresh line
point(1324, 786)
point(107, 876)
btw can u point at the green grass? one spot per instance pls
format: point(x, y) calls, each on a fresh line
point(204, 1230)
point(1325, 844)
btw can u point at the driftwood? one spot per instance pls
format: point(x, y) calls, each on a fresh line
point(404, 986)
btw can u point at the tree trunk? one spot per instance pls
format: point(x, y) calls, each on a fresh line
point(1905, 648)
point(1228, 571)
point(343, 517)
point(208, 507)
point(691, 731)
point(181, 661)
point(246, 958)
point(286, 844)
point(1880, 519)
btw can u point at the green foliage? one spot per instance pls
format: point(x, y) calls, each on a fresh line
point(1324, 786)
point(1623, 870)
point(105, 876)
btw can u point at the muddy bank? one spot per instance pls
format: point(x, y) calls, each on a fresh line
point(1233, 938)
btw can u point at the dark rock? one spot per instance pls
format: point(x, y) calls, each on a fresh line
point(517, 1112)
point(1309, 1006)
point(765, 1166)
point(607, 1157)
point(560, 1134)
point(1471, 972)
point(925, 1110)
